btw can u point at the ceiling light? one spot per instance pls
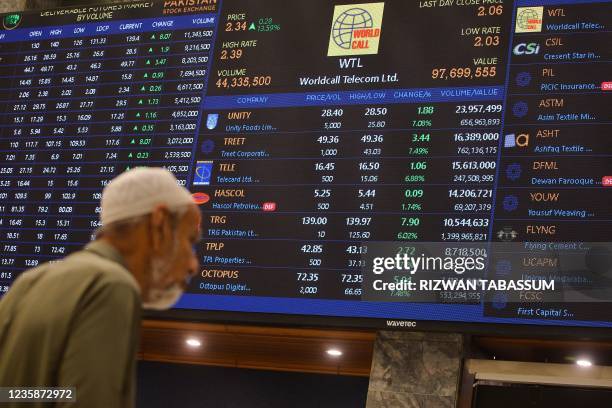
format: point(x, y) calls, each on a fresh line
point(334, 352)
point(584, 363)
point(193, 342)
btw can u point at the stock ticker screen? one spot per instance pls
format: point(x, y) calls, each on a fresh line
point(309, 130)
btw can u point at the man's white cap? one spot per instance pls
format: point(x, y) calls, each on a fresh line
point(137, 192)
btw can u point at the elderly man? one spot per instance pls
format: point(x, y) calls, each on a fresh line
point(74, 323)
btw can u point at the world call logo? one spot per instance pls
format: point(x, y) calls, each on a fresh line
point(356, 29)
point(529, 19)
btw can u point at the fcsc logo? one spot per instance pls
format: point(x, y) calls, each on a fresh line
point(356, 29)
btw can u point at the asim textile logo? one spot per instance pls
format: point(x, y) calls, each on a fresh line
point(356, 29)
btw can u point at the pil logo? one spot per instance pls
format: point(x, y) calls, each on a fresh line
point(356, 29)
point(526, 49)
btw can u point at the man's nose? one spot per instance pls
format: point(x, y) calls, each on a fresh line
point(194, 265)
point(193, 268)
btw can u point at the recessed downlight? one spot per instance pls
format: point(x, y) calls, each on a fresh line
point(192, 342)
point(584, 363)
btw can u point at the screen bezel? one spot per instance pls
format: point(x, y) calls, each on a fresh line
point(377, 324)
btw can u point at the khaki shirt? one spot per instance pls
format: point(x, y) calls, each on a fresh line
point(73, 323)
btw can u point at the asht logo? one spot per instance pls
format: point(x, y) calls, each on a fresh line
point(356, 29)
point(526, 49)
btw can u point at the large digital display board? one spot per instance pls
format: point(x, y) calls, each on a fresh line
point(309, 131)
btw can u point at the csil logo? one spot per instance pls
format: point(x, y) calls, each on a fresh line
point(526, 49)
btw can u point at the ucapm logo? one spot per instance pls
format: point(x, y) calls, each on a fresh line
point(526, 49)
point(356, 29)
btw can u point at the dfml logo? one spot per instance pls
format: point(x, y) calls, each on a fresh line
point(526, 49)
point(356, 29)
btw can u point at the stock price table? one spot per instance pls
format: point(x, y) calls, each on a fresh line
point(306, 132)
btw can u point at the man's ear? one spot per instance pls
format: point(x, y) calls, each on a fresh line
point(160, 228)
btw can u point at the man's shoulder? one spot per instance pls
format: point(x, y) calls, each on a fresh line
point(103, 270)
point(55, 294)
point(82, 269)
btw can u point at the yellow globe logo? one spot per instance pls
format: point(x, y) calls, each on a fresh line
point(355, 29)
point(347, 22)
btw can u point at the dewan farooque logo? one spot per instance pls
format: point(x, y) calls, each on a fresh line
point(356, 29)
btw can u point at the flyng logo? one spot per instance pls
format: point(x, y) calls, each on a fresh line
point(356, 29)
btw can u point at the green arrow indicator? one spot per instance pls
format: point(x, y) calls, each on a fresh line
point(135, 128)
point(138, 115)
point(133, 141)
point(146, 76)
point(153, 37)
point(140, 101)
point(252, 27)
point(142, 88)
point(130, 156)
point(148, 62)
point(150, 49)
